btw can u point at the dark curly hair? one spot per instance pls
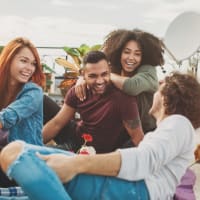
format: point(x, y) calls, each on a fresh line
point(151, 47)
point(181, 94)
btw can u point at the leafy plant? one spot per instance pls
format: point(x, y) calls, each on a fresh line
point(77, 54)
point(47, 69)
point(72, 69)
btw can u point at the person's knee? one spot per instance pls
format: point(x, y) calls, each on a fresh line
point(9, 154)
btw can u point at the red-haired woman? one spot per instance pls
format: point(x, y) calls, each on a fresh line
point(21, 105)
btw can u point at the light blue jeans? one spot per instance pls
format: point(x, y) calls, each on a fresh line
point(41, 183)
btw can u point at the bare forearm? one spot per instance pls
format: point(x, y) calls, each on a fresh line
point(118, 80)
point(134, 129)
point(102, 164)
point(67, 167)
point(50, 130)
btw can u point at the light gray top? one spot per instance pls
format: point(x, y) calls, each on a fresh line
point(161, 158)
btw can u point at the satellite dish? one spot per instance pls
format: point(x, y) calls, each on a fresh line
point(182, 38)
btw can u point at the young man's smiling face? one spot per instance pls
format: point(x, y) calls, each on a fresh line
point(97, 76)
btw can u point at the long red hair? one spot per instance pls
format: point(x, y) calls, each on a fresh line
point(6, 57)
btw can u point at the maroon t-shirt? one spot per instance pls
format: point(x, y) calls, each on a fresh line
point(102, 116)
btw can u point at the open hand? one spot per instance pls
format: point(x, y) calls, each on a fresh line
point(62, 164)
point(80, 89)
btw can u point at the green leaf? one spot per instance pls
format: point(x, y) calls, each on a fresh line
point(96, 47)
point(71, 51)
point(83, 49)
point(45, 67)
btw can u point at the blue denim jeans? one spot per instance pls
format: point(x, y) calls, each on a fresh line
point(41, 183)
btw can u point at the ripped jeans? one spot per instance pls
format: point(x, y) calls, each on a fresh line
point(40, 182)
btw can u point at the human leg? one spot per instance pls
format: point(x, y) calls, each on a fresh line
point(31, 173)
point(35, 177)
point(107, 188)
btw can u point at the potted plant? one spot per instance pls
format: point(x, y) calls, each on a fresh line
point(72, 69)
point(48, 71)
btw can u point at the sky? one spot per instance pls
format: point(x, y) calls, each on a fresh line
point(59, 23)
point(74, 22)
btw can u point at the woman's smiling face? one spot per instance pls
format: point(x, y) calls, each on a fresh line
point(131, 57)
point(22, 66)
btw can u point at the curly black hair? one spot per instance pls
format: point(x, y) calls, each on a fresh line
point(152, 47)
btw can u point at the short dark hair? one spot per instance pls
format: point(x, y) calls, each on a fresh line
point(181, 94)
point(94, 57)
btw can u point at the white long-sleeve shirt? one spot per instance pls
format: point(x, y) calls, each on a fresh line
point(161, 158)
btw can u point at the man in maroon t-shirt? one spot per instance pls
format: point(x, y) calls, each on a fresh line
point(104, 114)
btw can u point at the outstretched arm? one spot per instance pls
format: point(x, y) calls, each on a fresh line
point(101, 164)
point(145, 80)
point(118, 80)
point(51, 128)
